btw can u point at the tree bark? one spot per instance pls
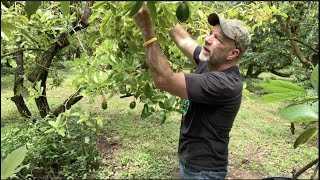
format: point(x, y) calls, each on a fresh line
point(250, 70)
point(45, 61)
point(286, 27)
point(73, 99)
point(273, 71)
point(18, 83)
point(251, 73)
point(42, 102)
point(303, 169)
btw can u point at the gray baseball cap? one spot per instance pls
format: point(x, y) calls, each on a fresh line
point(234, 29)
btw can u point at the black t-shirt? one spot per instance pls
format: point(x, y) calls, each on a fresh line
point(214, 101)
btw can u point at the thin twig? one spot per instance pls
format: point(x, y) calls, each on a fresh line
point(315, 171)
point(127, 95)
point(299, 41)
point(306, 167)
point(25, 49)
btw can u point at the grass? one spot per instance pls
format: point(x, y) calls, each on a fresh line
point(261, 144)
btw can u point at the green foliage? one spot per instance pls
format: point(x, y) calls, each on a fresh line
point(281, 90)
point(9, 166)
point(57, 147)
point(301, 113)
point(305, 137)
point(297, 112)
point(135, 8)
point(31, 7)
point(65, 5)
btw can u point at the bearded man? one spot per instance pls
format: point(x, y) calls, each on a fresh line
point(212, 95)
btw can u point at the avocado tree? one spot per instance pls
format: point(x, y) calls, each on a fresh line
point(111, 60)
point(34, 34)
point(284, 38)
point(303, 109)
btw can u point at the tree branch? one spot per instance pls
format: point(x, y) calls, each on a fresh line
point(127, 95)
point(25, 49)
point(273, 71)
point(286, 27)
point(74, 98)
point(299, 41)
point(306, 167)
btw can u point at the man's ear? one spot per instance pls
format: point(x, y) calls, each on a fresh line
point(234, 53)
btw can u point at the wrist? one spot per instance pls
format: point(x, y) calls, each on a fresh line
point(148, 36)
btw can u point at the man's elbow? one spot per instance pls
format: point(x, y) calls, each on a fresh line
point(160, 83)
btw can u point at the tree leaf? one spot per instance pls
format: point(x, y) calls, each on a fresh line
point(25, 92)
point(20, 167)
point(315, 78)
point(153, 10)
point(12, 63)
point(7, 27)
point(113, 9)
point(305, 137)
point(278, 86)
point(300, 113)
point(147, 90)
point(98, 4)
point(99, 123)
point(135, 8)
point(145, 112)
point(247, 94)
point(61, 132)
point(53, 123)
point(276, 97)
point(31, 7)
point(87, 139)
point(65, 7)
point(168, 103)
point(12, 161)
point(26, 35)
point(163, 117)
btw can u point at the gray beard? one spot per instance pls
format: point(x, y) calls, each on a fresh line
point(214, 60)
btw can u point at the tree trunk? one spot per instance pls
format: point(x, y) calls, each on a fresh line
point(45, 61)
point(18, 84)
point(250, 70)
point(42, 102)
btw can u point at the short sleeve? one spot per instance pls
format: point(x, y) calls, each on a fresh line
point(196, 54)
point(211, 88)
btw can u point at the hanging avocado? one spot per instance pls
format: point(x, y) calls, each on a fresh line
point(183, 12)
point(104, 105)
point(133, 104)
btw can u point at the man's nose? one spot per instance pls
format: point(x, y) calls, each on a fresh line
point(208, 39)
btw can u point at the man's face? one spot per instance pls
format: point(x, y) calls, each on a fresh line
point(217, 46)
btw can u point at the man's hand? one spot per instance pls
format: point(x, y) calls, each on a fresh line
point(144, 22)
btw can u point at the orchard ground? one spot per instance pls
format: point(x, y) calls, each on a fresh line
point(261, 144)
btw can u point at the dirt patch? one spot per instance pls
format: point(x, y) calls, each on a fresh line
point(239, 168)
point(107, 146)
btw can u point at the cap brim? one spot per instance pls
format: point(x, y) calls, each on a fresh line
point(213, 19)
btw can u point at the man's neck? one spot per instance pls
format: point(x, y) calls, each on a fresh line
point(220, 67)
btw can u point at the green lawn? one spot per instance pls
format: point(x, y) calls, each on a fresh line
point(261, 144)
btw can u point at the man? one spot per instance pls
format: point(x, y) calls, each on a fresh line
point(212, 94)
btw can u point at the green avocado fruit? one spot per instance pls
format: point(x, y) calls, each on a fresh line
point(104, 105)
point(183, 12)
point(133, 104)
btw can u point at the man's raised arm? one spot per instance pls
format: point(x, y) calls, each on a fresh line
point(184, 41)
